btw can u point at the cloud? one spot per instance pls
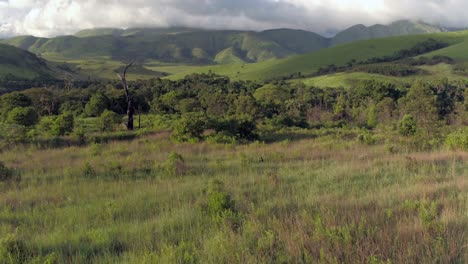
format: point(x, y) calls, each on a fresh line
point(56, 17)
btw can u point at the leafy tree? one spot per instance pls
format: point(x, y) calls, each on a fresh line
point(108, 120)
point(23, 116)
point(420, 102)
point(407, 126)
point(96, 105)
point(190, 126)
point(13, 100)
point(63, 124)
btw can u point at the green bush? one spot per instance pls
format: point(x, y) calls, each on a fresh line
point(189, 127)
point(6, 174)
point(88, 171)
point(96, 105)
point(407, 126)
point(23, 116)
point(457, 140)
point(13, 250)
point(219, 201)
point(221, 138)
point(175, 165)
point(108, 120)
point(366, 137)
point(63, 125)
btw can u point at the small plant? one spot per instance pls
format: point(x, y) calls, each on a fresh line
point(175, 165)
point(366, 137)
point(88, 170)
point(13, 249)
point(457, 140)
point(6, 174)
point(221, 207)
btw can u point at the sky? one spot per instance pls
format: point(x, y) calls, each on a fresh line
point(47, 18)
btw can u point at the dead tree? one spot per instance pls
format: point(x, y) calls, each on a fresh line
point(129, 97)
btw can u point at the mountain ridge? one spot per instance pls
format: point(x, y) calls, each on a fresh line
point(202, 46)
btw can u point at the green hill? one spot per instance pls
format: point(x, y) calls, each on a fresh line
point(22, 64)
point(338, 55)
point(199, 46)
point(177, 45)
point(398, 28)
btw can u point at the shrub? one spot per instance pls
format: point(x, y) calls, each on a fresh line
point(189, 127)
point(23, 116)
point(88, 171)
point(6, 174)
point(63, 124)
point(96, 105)
point(13, 250)
point(108, 120)
point(366, 137)
point(219, 201)
point(221, 138)
point(407, 126)
point(457, 140)
point(175, 165)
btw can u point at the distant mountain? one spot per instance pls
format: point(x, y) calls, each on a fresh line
point(179, 45)
point(22, 64)
point(398, 28)
point(199, 46)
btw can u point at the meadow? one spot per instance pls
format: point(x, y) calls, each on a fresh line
point(320, 196)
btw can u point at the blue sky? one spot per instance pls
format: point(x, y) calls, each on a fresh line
point(58, 17)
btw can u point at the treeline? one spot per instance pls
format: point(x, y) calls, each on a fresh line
point(10, 83)
point(215, 108)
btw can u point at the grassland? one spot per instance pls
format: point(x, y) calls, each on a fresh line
point(338, 55)
point(349, 79)
point(316, 198)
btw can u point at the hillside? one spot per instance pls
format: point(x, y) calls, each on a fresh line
point(398, 28)
point(198, 46)
point(176, 45)
point(21, 64)
point(338, 55)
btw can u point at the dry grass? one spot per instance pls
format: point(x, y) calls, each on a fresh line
point(318, 200)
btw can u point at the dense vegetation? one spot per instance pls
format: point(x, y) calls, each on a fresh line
point(219, 170)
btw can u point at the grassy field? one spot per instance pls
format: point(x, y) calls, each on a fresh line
point(317, 198)
point(349, 79)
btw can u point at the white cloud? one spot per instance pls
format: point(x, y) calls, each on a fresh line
point(53, 17)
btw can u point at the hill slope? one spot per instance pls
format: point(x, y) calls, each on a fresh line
point(398, 28)
point(198, 46)
point(177, 45)
point(338, 55)
point(22, 64)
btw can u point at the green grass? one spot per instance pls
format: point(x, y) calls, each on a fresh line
point(338, 55)
point(349, 79)
point(21, 64)
point(310, 200)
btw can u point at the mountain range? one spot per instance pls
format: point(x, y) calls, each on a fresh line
point(199, 46)
point(188, 46)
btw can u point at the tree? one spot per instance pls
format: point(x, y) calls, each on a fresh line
point(128, 96)
point(407, 126)
point(190, 126)
point(420, 102)
point(12, 100)
point(108, 120)
point(96, 105)
point(63, 124)
point(23, 116)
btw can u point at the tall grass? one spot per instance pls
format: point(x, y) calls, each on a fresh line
point(321, 200)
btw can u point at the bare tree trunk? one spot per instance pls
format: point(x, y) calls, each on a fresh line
point(130, 107)
point(130, 112)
